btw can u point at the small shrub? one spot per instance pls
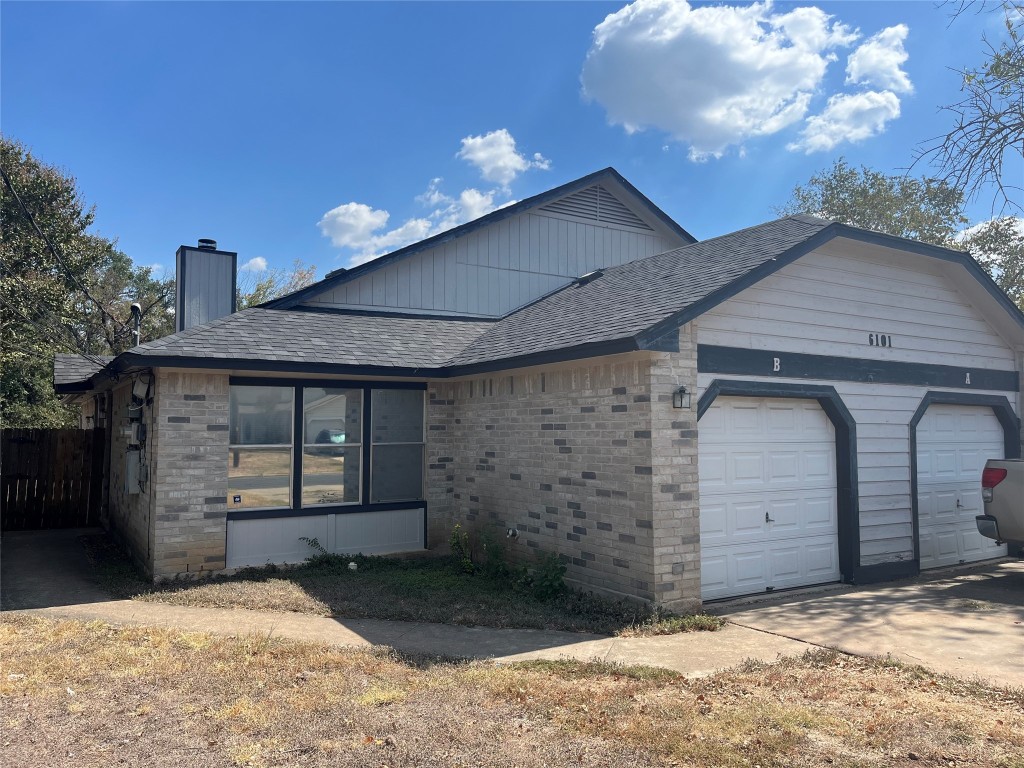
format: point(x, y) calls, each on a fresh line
point(461, 550)
point(545, 580)
point(493, 565)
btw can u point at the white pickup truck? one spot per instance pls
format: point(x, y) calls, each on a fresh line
point(1002, 490)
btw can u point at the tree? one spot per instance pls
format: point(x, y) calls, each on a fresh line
point(62, 288)
point(929, 210)
point(985, 147)
point(258, 287)
point(921, 209)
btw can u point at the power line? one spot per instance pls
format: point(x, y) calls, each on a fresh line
point(54, 332)
point(60, 259)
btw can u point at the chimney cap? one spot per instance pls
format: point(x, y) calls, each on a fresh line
point(207, 244)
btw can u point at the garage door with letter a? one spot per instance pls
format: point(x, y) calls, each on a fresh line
point(768, 513)
point(953, 444)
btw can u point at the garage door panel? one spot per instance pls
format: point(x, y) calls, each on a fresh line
point(953, 444)
point(712, 469)
point(768, 492)
point(745, 520)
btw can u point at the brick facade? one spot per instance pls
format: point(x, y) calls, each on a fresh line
point(586, 460)
point(191, 473)
point(589, 461)
point(129, 514)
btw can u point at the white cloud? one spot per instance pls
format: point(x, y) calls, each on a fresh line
point(363, 230)
point(877, 61)
point(711, 76)
point(351, 225)
point(434, 196)
point(497, 158)
point(255, 264)
point(848, 117)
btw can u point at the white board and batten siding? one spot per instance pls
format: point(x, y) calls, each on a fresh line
point(827, 303)
point(279, 540)
point(493, 270)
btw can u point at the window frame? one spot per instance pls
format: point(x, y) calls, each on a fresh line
point(298, 445)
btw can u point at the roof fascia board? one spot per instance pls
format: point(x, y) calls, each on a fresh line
point(130, 360)
point(289, 301)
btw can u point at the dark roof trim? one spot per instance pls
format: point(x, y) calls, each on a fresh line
point(394, 314)
point(289, 301)
point(129, 361)
point(650, 338)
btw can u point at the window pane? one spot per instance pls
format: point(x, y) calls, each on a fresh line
point(330, 475)
point(332, 416)
point(397, 416)
point(260, 476)
point(396, 473)
point(261, 415)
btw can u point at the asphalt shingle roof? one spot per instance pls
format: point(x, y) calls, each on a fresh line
point(71, 369)
point(624, 302)
point(320, 337)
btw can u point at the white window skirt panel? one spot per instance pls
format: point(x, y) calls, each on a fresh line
point(278, 540)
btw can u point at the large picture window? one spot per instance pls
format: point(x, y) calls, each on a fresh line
point(299, 446)
point(260, 452)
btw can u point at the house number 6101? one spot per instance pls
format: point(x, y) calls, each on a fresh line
point(879, 339)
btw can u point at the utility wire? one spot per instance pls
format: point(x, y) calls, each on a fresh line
point(53, 331)
point(60, 259)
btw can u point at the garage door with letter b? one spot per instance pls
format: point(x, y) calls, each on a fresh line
point(768, 501)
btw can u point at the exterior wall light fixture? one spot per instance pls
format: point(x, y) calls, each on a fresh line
point(681, 397)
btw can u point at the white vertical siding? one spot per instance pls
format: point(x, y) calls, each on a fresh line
point(278, 540)
point(496, 268)
point(826, 303)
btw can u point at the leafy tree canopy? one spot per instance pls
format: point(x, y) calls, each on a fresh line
point(77, 295)
point(929, 210)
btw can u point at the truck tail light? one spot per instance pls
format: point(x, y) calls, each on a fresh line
point(990, 478)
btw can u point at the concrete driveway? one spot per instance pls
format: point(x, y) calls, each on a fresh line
point(967, 621)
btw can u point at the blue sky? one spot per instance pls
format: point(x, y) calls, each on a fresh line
point(330, 132)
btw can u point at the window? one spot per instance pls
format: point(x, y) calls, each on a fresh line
point(260, 463)
point(396, 469)
point(304, 446)
point(332, 428)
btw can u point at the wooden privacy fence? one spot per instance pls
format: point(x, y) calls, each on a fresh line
point(50, 478)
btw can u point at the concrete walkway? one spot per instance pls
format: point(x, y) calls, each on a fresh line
point(47, 574)
point(967, 622)
point(693, 654)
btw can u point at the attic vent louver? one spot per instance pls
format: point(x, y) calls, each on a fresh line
point(597, 204)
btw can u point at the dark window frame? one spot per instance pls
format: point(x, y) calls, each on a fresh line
point(364, 504)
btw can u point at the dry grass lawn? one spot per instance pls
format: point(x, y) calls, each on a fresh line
point(429, 589)
point(93, 695)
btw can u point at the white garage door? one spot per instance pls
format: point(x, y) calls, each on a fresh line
point(953, 443)
point(768, 517)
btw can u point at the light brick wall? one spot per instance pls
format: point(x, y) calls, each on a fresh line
point(676, 507)
point(191, 478)
point(569, 455)
point(129, 515)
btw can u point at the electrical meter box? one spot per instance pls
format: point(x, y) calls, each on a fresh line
point(131, 472)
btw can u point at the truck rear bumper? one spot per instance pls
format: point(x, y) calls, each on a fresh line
point(988, 527)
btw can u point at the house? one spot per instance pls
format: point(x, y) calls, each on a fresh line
point(794, 403)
